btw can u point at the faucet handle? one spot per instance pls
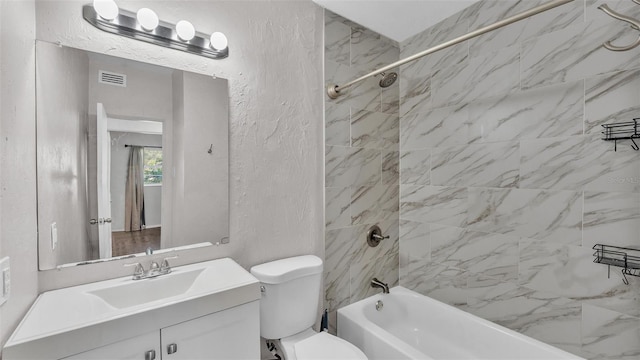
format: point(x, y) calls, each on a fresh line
point(138, 271)
point(165, 267)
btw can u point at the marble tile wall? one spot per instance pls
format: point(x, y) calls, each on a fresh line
point(505, 185)
point(362, 159)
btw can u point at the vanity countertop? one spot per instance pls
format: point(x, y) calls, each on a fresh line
point(58, 317)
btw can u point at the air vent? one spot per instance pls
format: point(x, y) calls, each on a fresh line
point(111, 78)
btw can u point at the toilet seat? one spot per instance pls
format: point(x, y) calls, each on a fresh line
point(325, 346)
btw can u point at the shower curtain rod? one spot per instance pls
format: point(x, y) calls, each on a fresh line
point(334, 90)
point(146, 146)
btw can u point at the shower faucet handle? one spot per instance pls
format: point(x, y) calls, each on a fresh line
point(374, 236)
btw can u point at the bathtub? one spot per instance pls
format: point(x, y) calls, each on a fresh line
point(413, 326)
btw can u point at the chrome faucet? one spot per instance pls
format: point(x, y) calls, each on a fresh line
point(375, 283)
point(154, 269)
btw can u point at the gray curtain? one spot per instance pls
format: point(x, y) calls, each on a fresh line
point(134, 192)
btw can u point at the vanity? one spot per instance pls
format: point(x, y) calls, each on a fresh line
point(202, 310)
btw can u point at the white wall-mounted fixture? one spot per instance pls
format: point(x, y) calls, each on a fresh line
point(218, 41)
point(145, 26)
point(107, 9)
point(148, 19)
point(185, 30)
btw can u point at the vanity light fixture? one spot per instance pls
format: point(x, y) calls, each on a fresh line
point(145, 26)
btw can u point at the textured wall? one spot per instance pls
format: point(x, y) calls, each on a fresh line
point(505, 183)
point(18, 159)
point(274, 72)
point(361, 164)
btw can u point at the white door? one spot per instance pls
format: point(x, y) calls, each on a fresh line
point(104, 184)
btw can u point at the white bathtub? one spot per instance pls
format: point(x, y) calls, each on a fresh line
point(413, 326)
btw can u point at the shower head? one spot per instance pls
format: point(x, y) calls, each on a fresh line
point(388, 79)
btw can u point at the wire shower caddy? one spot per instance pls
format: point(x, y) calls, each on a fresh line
point(628, 130)
point(626, 258)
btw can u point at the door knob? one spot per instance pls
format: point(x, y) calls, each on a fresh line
point(107, 220)
point(172, 348)
point(93, 221)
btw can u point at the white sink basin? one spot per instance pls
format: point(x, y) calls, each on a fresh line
point(147, 290)
point(84, 317)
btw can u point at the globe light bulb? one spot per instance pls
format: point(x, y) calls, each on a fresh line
point(147, 19)
point(218, 41)
point(106, 9)
point(185, 30)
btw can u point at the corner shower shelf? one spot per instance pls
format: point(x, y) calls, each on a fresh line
point(622, 131)
point(626, 258)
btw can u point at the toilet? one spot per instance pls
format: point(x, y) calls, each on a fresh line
point(288, 307)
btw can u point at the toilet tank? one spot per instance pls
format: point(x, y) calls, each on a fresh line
point(289, 302)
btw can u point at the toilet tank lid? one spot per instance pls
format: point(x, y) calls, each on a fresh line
point(279, 271)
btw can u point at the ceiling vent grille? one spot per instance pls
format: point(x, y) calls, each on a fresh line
point(111, 78)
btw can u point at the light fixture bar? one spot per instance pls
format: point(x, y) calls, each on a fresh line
point(125, 24)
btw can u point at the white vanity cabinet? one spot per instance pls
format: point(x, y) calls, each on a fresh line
point(228, 334)
point(208, 310)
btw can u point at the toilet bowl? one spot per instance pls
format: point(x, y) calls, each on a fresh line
point(288, 309)
point(312, 345)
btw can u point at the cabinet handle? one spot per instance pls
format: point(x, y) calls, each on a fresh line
point(150, 355)
point(172, 348)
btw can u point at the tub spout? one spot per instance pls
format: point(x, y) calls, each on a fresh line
point(379, 284)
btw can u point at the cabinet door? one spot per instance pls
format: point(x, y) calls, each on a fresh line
point(143, 347)
point(230, 334)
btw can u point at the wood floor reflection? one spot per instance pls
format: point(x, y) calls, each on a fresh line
point(125, 243)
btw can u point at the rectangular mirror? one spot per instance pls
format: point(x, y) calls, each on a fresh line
point(131, 157)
